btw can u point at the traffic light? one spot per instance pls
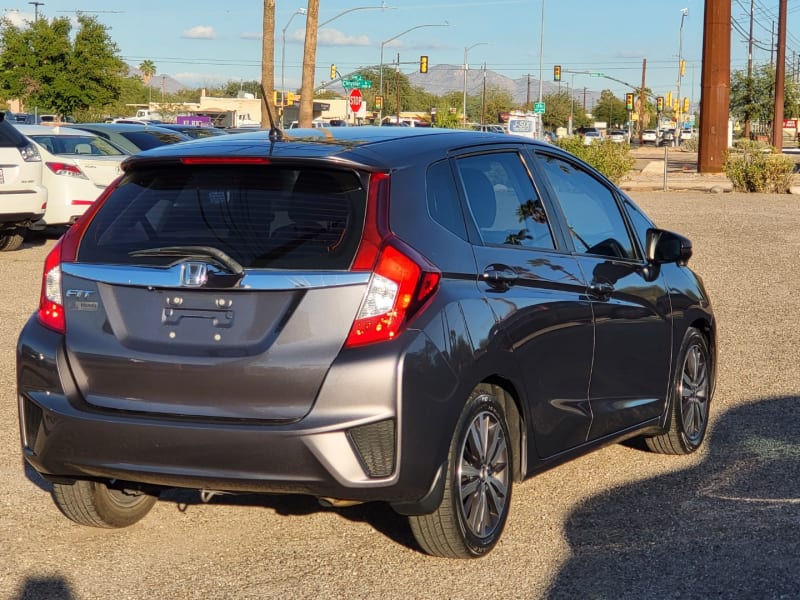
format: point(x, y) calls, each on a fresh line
point(629, 101)
point(423, 64)
point(557, 73)
point(669, 98)
point(660, 104)
point(683, 68)
point(275, 98)
point(290, 99)
point(378, 102)
point(686, 105)
point(333, 71)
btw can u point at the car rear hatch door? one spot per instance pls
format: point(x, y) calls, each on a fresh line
point(215, 291)
point(101, 170)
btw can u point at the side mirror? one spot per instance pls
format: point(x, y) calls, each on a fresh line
point(667, 247)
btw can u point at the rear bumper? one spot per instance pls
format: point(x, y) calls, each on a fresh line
point(369, 436)
point(22, 207)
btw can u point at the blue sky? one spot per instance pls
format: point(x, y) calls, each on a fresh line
point(211, 42)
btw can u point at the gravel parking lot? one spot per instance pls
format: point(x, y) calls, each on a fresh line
point(621, 523)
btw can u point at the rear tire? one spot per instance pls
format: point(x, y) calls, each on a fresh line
point(690, 396)
point(477, 495)
point(95, 504)
point(11, 239)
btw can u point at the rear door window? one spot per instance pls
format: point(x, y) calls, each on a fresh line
point(276, 217)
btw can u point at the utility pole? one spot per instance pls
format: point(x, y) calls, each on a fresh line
point(715, 86)
point(642, 98)
point(749, 72)
point(780, 78)
point(528, 97)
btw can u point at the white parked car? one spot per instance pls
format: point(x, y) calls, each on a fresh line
point(21, 190)
point(650, 136)
point(618, 136)
point(591, 137)
point(78, 166)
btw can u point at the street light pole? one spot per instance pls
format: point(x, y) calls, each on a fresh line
point(541, 73)
point(36, 6)
point(466, 69)
point(391, 39)
point(299, 11)
point(677, 136)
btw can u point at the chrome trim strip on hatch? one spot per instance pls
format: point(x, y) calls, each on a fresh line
point(171, 277)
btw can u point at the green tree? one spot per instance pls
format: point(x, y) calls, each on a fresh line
point(148, 69)
point(558, 111)
point(44, 65)
point(610, 109)
point(754, 97)
point(487, 108)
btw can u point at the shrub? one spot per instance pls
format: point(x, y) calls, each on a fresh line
point(754, 167)
point(690, 145)
point(611, 159)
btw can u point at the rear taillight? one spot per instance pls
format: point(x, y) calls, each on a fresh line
point(402, 281)
point(67, 169)
point(51, 301)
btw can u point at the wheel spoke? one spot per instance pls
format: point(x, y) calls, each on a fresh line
point(483, 475)
point(694, 392)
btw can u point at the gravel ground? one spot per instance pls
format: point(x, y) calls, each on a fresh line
point(620, 523)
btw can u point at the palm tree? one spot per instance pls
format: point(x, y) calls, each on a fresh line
point(148, 69)
point(268, 58)
point(309, 64)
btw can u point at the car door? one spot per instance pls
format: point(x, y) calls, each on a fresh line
point(537, 293)
point(630, 301)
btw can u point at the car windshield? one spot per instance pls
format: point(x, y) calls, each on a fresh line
point(274, 217)
point(77, 144)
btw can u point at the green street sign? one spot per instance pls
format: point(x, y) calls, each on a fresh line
point(596, 75)
point(538, 108)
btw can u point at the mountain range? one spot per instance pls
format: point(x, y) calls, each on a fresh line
point(439, 80)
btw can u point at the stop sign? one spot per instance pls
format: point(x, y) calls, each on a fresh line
point(355, 99)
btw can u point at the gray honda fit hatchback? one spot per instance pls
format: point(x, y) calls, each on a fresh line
point(415, 316)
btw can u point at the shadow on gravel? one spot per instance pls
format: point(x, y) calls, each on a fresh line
point(729, 528)
point(377, 514)
point(45, 588)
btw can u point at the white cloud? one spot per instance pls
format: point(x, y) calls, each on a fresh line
point(17, 18)
point(201, 32)
point(330, 37)
point(250, 35)
point(334, 37)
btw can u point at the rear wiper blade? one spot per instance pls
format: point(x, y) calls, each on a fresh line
point(195, 252)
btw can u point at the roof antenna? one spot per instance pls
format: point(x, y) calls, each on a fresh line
point(275, 133)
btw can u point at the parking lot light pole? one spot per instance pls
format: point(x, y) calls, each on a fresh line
point(299, 11)
point(391, 39)
point(466, 69)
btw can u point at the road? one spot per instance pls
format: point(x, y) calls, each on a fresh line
point(621, 523)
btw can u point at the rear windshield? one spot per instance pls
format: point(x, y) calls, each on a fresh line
point(151, 139)
point(275, 217)
point(10, 137)
point(77, 144)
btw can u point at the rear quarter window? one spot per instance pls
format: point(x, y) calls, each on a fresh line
point(263, 217)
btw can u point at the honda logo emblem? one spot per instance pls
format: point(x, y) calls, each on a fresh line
point(194, 274)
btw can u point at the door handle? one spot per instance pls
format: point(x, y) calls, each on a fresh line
point(601, 290)
point(499, 277)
